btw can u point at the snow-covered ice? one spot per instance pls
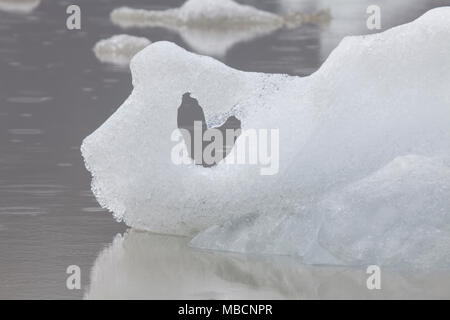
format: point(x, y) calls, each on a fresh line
point(364, 152)
point(119, 49)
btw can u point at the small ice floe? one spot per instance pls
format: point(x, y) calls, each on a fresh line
point(119, 49)
point(212, 27)
point(197, 13)
point(19, 6)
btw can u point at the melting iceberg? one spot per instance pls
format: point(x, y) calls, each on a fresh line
point(364, 172)
point(119, 49)
point(212, 27)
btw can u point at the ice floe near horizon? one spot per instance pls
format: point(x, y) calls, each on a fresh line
point(119, 49)
point(364, 172)
point(19, 6)
point(212, 27)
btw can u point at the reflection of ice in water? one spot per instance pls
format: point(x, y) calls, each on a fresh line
point(64, 164)
point(216, 42)
point(28, 100)
point(92, 209)
point(19, 6)
point(33, 190)
point(213, 27)
point(25, 131)
point(142, 265)
point(119, 49)
point(21, 211)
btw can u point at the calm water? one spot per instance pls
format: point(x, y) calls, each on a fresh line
point(54, 92)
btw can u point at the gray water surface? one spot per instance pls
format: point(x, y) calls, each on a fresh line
point(54, 92)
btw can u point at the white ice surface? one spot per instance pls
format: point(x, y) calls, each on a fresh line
point(364, 149)
point(119, 49)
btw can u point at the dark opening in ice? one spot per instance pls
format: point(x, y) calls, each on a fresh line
point(188, 113)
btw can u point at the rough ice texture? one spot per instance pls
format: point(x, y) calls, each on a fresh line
point(212, 27)
point(364, 152)
point(119, 49)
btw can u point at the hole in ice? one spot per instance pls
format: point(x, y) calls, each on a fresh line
point(190, 113)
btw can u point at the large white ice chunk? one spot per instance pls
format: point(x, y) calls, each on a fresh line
point(377, 101)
